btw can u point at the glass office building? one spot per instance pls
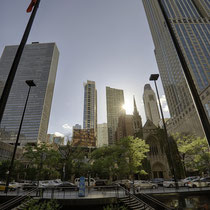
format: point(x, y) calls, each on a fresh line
point(190, 22)
point(38, 63)
point(114, 105)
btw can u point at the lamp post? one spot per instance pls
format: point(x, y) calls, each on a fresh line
point(154, 77)
point(30, 83)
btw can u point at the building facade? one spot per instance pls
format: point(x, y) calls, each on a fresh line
point(129, 125)
point(6, 151)
point(157, 162)
point(77, 126)
point(90, 106)
point(159, 166)
point(189, 20)
point(54, 139)
point(38, 63)
point(84, 138)
point(114, 102)
point(102, 135)
point(150, 105)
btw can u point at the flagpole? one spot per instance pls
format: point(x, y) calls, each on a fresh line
point(11, 76)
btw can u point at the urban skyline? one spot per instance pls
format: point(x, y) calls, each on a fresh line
point(121, 51)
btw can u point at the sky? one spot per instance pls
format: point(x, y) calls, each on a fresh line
point(106, 41)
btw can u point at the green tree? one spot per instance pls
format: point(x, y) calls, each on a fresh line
point(42, 160)
point(17, 171)
point(194, 152)
point(120, 160)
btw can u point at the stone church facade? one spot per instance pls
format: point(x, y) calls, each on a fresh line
point(131, 125)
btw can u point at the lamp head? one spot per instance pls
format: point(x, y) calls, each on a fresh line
point(154, 77)
point(30, 83)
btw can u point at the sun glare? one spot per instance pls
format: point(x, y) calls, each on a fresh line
point(128, 107)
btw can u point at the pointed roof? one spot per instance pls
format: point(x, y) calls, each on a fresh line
point(149, 125)
point(135, 111)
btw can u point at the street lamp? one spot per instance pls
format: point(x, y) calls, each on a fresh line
point(154, 77)
point(30, 83)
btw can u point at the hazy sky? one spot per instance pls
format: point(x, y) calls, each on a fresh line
point(107, 41)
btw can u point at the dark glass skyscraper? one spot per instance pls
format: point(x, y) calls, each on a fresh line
point(190, 22)
point(38, 63)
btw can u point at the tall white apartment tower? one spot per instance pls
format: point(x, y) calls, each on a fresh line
point(90, 106)
point(189, 20)
point(39, 63)
point(150, 105)
point(114, 101)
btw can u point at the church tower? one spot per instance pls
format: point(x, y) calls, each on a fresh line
point(137, 123)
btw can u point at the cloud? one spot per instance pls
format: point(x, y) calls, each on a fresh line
point(164, 103)
point(59, 134)
point(66, 127)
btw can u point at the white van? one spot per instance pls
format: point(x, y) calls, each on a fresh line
point(92, 182)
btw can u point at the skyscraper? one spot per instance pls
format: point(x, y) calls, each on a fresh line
point(150, 105)
point(189, 20)
point(90, 106)
point(38, 63)
point(114, 101)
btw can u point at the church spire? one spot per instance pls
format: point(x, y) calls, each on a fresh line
point(135, 111)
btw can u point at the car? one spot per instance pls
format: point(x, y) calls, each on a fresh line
point(188, 179)
point(171, 183)
point(203, 182)
point(49, 183)
point(142, 184)
point(158, 181)
point(126, 183)
point(10, 187)
point(67, 186)
point(29, 186)
point(16, 184)
point(103, 184)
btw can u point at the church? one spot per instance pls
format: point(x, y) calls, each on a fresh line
point(131, 125)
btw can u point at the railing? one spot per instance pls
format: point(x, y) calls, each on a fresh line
point(156, 201)
point(14, 201)
point(130, 195)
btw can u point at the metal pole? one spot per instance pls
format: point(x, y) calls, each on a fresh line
point(16, 144)
point(198, 104)
point(11, 76)
point(166, 136)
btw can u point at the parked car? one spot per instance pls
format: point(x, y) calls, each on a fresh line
point(142, 184)
point(91, 181)
point(30, 186)
point(16, 184)
point(50, 183)
point(203, 182)
point(188, 179)
point(103, 184)
point(158, 181)
point(126, 183)
point(67, 186)
point(171, 183)
point(10, 187)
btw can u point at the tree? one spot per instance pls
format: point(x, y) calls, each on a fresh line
point(17, 171)
point(42, 160)
point(194, 152)
point(120, 160)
